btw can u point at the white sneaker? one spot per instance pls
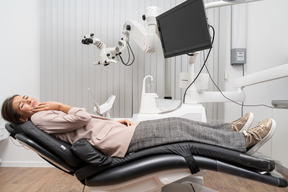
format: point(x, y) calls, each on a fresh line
point(259, 135)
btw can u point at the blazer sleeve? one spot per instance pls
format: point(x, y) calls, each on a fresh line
point(60, 122)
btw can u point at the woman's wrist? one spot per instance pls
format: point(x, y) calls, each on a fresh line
point(64, 108)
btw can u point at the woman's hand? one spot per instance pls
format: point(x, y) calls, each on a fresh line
point(125, 122)
point(52, 105)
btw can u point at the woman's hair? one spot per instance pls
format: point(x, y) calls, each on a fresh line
point(7, 111)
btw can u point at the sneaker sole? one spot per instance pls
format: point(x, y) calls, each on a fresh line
point(248, 123)
point(264, 140)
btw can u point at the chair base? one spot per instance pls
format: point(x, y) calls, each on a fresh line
point(152, 182)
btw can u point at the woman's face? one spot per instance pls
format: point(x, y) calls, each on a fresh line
point(24, 105)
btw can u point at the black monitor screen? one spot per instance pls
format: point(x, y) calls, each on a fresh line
point(184, 29)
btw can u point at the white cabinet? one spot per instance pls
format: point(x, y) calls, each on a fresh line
point(3, 133)
point(280, 138)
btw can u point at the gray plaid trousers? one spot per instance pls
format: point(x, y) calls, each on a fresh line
point(153, 133)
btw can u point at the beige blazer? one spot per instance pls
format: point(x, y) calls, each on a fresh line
point(109, 136)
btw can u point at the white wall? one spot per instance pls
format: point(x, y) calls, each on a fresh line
point(19, 66)
point(267, 46)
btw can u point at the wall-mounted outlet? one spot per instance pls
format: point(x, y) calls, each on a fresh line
point(238, 56)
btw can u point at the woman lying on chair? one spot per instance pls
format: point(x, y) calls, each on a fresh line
point(116, 138)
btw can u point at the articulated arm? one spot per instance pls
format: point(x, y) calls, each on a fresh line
point(145, 38)
point(226, 3)
point(262, 76)
point(107, 54)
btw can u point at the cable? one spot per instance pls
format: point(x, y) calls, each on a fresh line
point(83, 189)
point(133, 59)
point(20, 144)
point(242, 107)
point(204, 64)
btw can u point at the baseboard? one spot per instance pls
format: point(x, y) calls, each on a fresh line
point(24, 164)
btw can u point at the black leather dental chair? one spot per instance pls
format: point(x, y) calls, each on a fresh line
point(146, 170)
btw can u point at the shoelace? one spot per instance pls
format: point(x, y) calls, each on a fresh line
point(256, 132)
point(235, 124)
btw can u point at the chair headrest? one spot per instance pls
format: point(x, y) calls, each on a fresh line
point(11, 130)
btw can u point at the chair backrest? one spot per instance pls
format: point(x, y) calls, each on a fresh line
point(39, 138)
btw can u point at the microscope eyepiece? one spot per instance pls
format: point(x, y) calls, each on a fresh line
point(87, 41)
